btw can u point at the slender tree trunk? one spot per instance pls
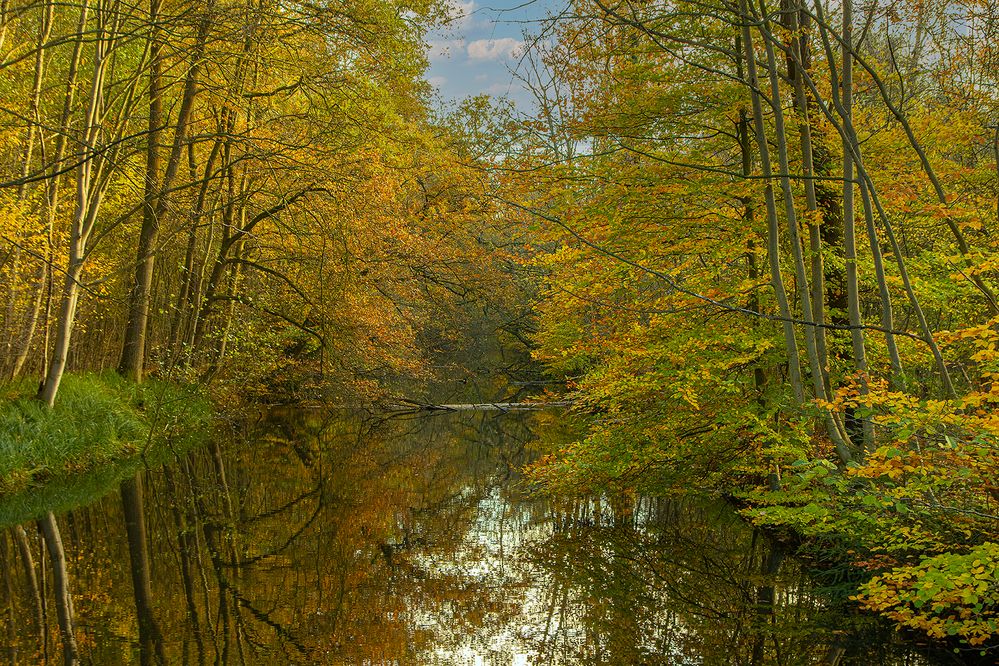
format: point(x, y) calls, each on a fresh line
point(852, 147)
point(133, 352)
point(748, 216)
point(773, 228)
point(197, 293)
point(35, 121)
point(852, 166)
point(34, 125)
point(887, 313)
point(783, 163)
point(55, 179)
point(28, 562)
point(838, 434)
point(229, 233)
point(849, 183)
point(150, 638)
point(188, 302)
point(64, 600)
point(854, 315)
point(157, 196)
point(797, 64)
point(67, 317)
point(89, 194)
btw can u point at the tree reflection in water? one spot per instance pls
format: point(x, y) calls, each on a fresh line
point(347, 539)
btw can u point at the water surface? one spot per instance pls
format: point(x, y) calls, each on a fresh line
point(347, 538)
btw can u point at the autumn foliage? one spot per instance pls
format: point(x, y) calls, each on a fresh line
point(254, 194)
point(767, 249)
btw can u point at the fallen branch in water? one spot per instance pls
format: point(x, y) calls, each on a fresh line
point(413, 406)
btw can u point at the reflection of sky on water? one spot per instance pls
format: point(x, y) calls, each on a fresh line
point(489, 556)
point(504, 549)
point(500, 550)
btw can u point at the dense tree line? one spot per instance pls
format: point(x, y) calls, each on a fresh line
point(191, 186)
point(769, 254)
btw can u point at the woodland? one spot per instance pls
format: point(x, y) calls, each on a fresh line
point(752, 242)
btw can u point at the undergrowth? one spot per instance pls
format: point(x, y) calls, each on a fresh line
point(97, 420)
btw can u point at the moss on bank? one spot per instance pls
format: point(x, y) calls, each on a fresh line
point(98, 420)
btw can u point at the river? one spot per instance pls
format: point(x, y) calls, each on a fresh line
point(343, 537)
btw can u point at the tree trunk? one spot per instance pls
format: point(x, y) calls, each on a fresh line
point(55, 179)
point(188, 302)
point(64, 330)
point(854, 316)
point(28, 562)
point(840, 438)
point(798, 58)
point(90, 187)
point(64, 600)
point(773, 228)
point(133, 509)
point(157, 195)
point(133, 352)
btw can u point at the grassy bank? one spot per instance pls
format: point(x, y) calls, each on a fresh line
point(98, 419)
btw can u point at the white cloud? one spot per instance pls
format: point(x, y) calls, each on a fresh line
point(495, 49)
point(437, 81)
point(499, 89)
point(444, 49)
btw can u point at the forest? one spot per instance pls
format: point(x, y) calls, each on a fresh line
point(752, 243)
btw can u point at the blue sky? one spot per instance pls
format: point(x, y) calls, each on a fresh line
point(482, 42)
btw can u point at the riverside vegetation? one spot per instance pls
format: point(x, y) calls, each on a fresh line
point(756, 241)
point(98, 420)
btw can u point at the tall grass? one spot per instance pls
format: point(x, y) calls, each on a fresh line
point(98, 419)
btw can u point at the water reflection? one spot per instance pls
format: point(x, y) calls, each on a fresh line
point(345, 539)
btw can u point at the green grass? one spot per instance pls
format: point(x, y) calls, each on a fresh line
point(98, 420)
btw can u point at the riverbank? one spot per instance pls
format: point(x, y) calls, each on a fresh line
point(98, 419)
